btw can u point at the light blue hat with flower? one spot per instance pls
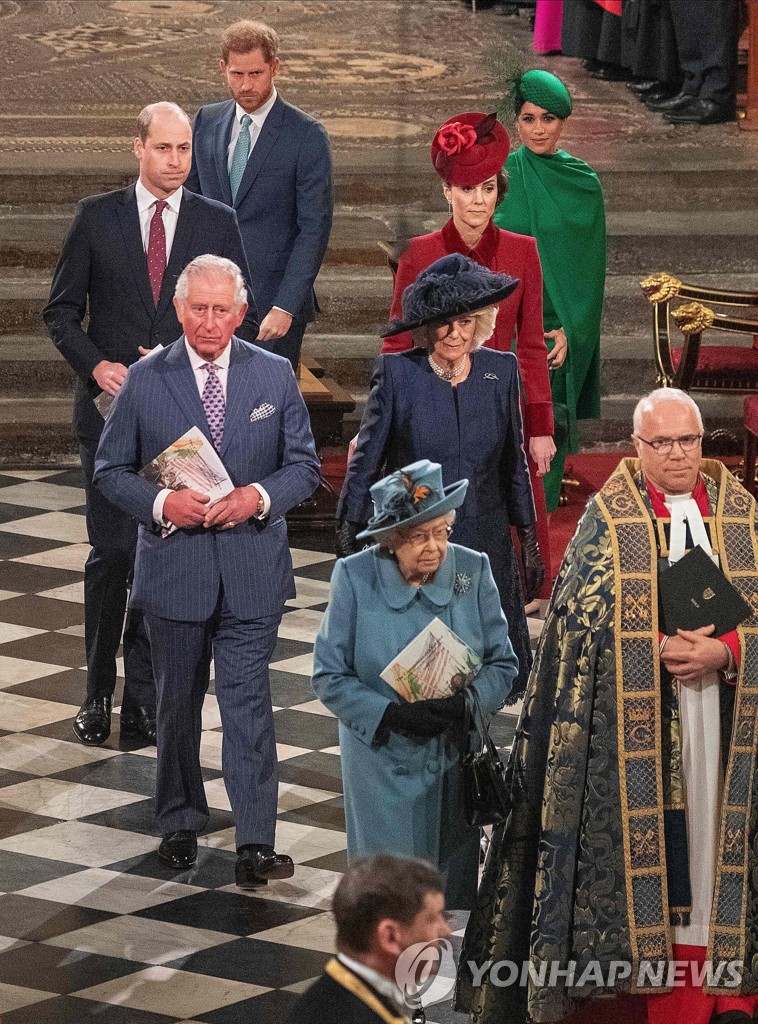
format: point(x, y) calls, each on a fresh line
point(411, 496)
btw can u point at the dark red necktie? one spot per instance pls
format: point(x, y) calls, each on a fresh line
point(156, 249)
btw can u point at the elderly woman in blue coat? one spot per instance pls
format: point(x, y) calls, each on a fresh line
point(457, 403)
point(400, 759)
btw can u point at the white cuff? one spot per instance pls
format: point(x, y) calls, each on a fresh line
point(282, 310)
point(158, 504)
point(266, 501)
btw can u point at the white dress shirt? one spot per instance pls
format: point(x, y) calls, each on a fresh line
point(257, 121)
point(201, 376)
point(146, 208)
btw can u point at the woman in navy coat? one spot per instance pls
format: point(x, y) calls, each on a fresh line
point(400, 759)
point(453, 402)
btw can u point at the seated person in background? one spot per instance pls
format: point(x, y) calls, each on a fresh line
point(381, 907)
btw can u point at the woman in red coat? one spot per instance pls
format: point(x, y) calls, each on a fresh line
point(468, 153)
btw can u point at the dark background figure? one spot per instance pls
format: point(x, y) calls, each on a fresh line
point(217, 586)
point(648, 49)
point(706, 34)
point(592, 30)
point(119, 266)
point(271, 162)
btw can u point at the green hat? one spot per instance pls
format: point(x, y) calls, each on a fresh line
point(543, 89)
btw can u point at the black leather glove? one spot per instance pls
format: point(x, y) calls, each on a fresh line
point(452, 709)
point(346, 533)
point(531, 560)
point(415, 719)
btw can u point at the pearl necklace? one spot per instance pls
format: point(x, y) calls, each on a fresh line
point(448, 374)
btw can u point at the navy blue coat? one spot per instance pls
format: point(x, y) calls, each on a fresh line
point(102, 275)
point(178, 577)
point(403, 797)
point(473, 431)
point(284, 201)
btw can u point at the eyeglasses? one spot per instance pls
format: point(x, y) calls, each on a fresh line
point(665, 445)
point(438, 535)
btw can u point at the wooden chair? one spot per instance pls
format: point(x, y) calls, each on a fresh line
point(694, 366)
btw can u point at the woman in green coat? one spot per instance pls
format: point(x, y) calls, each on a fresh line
point(557, 198)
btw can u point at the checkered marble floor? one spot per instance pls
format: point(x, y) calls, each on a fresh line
point(91, 924)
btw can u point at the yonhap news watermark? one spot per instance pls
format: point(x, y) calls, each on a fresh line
point(429, 968)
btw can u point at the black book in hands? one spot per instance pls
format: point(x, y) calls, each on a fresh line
point(694, 592)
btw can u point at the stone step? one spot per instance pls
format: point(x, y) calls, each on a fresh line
point(396, 177)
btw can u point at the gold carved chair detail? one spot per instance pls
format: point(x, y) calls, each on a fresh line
point(692, 365)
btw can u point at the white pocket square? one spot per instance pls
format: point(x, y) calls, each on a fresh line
point(262, 412)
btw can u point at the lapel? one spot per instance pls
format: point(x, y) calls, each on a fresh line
point(186, 223)
point(266, 140)
point(180, 380)
point(128, 218)
point(221, 136)
point(238, 393)
point(485, 251)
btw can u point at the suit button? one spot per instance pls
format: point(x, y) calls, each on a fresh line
point(433, 766)
point(400, 769)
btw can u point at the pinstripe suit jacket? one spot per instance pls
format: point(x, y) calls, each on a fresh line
point(178, 577)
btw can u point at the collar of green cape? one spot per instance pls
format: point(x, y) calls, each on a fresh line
point(628, 517)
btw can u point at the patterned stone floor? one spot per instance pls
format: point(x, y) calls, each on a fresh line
point(91, 925)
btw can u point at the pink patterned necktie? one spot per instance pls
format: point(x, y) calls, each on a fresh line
point(156, 249)
point(214, 403)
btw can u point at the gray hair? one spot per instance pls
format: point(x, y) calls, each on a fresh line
point(483, 331)
point(209, 265)
point(399, 534)
point(146, 115)
point(656, 398)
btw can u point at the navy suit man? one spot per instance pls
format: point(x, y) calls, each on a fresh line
point(271, 162)
point(119, 266)
point(217, 586)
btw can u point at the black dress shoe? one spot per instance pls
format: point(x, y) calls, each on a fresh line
point(178, 849)
point(256, 864)
point(701, 112)
point(137, 727)
point(661, 92)
point(609, 73)
point(93, 723)
point(732, 1017)
point(682, 99)
point(642, 85)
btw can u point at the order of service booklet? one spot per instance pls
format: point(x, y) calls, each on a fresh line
point(436, 663)
point(191, 461)
point(694, 592)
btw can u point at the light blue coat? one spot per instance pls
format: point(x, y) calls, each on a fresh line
point(403, 797)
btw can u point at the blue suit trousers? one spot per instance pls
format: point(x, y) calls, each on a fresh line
point(241, 650)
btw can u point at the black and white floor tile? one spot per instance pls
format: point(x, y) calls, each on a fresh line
point(91, 924)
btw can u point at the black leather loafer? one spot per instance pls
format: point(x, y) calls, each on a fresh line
point(682, 99)
point(256, 864)
point(643, 85)
point(93, 723)
point(137, 727)
point(701, 112)
point(178, 850)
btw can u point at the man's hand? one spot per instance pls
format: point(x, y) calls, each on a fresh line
point(557, 356)
point(236, 507)
point(351, 448)
point(692, 653)
point(541, 451)
point(186, 508)
point(275, 325)
point(109, 376)
point(143, 351)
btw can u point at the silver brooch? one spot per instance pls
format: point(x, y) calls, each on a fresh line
point(491, 376)
point(462, 583)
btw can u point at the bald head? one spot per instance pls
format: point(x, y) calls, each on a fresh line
point(162, 110)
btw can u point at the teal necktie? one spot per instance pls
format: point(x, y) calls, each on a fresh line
point(240, 155)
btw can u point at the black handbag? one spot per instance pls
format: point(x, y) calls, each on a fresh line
point(486, 796)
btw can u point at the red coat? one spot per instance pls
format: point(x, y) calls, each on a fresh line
point(520, 314)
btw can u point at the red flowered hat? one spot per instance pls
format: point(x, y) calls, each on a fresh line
point(469, 148)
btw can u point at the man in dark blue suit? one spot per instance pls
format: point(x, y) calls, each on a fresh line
point(217, 586)
point(119, 266)
point(271, 162)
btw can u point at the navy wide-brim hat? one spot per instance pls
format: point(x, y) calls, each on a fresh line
point(452, 286)
point(411, 496)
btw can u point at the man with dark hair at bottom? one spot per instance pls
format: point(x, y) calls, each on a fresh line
point(382, 906)
point(271, 162)
point(111, 301)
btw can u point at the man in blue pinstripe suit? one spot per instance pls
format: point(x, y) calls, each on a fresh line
point(216, 586)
